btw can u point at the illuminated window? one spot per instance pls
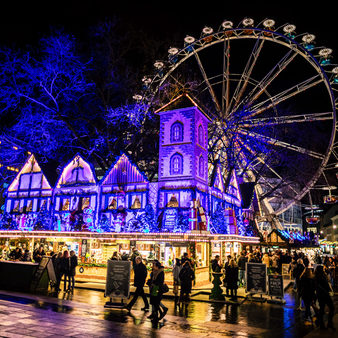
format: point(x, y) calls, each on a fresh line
point(176, 164)
point(173, 201)
point(65, 205)
point(136, 202)
point(176, 132)
point(201, 136)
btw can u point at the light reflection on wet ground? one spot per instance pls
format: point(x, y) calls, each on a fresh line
point(250, 319)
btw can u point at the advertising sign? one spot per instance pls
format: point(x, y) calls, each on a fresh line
point(118, 279)
point(276, 288)
point(255, 278)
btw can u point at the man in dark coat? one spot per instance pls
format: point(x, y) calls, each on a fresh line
point(72, 268)
point(187, 276)
point(140, 276)
point(215, 266)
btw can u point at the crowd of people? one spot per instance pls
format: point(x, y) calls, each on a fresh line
point(314, 277)
point(183, 277)
point(65, 267)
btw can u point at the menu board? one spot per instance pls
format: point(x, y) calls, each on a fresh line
point(39, 272)
point(118, 279)
point(275, 283)
point(255, 278)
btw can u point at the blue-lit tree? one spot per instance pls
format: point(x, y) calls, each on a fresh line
point(7, 222)
point(53, 97)
point(218, 220)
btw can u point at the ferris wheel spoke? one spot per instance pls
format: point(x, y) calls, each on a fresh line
point(285, 95)
point(206, 79)
point(242, 84)
point(226, 77)
point(262, 86)
point(275, 142)
point(245, 76)
point(280, 120)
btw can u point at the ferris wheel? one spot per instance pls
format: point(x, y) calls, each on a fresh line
point(270, 93)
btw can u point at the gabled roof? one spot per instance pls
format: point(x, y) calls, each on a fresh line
point(30, 167)
point(217, 181)
point(181, 101)
point(232, 187)
point(122, 172)
point(77, 172)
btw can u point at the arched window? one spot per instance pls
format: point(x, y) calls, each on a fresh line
point(176, 164)
point(176, 132)
point(200, 136)
point(201, 166)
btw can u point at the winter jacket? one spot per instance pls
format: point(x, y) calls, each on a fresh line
point(231, 277)
point(72, 265)
point(140, 274)
point(186, 276)
point(241, 262)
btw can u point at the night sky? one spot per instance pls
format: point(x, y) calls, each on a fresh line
point(24, 22)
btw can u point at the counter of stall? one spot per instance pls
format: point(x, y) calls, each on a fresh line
point(93, 250)
point(17, 276)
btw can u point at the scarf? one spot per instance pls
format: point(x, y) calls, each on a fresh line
point(156, 273)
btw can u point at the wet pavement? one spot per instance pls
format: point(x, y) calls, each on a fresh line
point(82, 314)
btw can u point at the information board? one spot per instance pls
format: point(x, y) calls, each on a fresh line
point(118, 279)
point(276, 288)
point(255, 278)
point(51, 272)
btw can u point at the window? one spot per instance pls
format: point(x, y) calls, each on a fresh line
point(176, 164)
point(200, 136)
point(176, 132)
point(201, 166)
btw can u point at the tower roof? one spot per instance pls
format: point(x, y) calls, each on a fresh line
point(179, 102)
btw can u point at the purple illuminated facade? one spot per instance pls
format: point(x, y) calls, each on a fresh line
point(184, 198)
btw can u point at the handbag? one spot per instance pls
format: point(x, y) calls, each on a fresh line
point(154, 290)
point(164, 288)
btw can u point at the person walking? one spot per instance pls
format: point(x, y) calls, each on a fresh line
point(176, 282)
point(241, 268)
point(307, 291)
point(65, 270)
point(297, 273)
point(58, 269)
point(155, 283)
point(231, 279)
point(323, 290)
point(140, 276)
point(72, 269)
point(186, 276)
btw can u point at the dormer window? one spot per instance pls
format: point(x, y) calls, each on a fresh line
point(176, 134)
